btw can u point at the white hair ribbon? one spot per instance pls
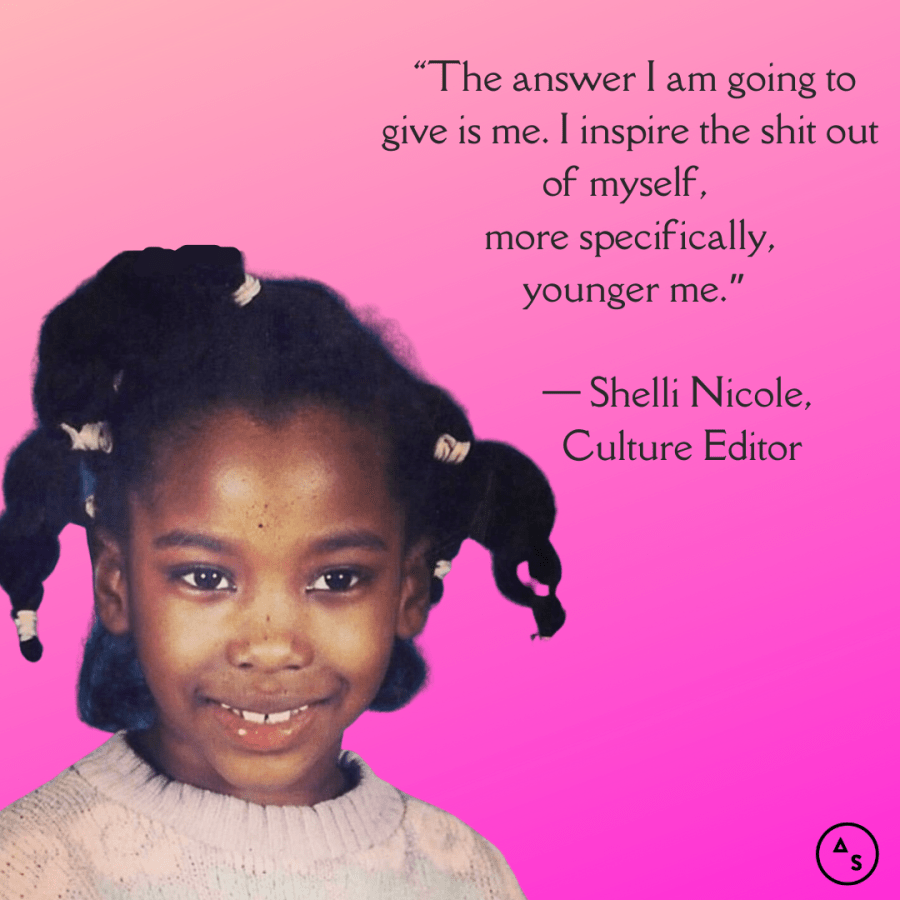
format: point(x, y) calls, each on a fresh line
point(442, 568)
point(449, 450)
point(91, 436)
point(26, 624)
point(247, 291)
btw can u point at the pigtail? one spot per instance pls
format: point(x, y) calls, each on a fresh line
point(513, 520)
point(497, 496)
point(47, 480)
point(42, 490)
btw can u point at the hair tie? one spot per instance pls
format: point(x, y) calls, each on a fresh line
point(91, 436)
point(247, 291)
point(442, 569)
point(449, 450)
point(26, 624)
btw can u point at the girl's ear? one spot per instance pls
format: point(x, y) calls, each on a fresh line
point(415, 592)
point(110, 582)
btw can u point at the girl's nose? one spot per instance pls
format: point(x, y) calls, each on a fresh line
point(271, 636)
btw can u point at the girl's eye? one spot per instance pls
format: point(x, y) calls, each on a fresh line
point(336, 580)
point(206, 579)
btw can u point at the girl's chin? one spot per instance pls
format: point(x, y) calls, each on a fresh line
point(278, 781)
point(272, 765)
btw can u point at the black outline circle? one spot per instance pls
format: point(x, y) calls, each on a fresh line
point(841, 825)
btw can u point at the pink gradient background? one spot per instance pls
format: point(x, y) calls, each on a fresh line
point(725, 688)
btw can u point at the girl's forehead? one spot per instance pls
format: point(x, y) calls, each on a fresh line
point(231, 456)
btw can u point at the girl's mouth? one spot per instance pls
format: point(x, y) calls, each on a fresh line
point(264, 731)
point(273, 718)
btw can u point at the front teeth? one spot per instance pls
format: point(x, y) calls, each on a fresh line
point(264, 718)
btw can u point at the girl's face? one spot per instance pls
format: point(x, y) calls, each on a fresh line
point(264, 578)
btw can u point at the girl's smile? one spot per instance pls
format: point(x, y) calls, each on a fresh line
point(264, 577)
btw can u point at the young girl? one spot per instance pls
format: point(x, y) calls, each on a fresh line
point(272, 502)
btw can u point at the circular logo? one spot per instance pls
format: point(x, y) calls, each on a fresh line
point(847, 853)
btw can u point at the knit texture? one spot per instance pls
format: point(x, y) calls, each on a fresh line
point(111, 827)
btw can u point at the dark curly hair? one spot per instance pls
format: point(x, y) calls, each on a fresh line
point(155, 338)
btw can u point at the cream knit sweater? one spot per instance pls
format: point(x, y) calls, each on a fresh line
point(111, 827)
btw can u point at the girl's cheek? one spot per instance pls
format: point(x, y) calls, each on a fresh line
point(358, 639)
point(173, 635)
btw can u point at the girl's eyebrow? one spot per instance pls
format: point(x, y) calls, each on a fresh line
point(365, 540)
point(179, 538)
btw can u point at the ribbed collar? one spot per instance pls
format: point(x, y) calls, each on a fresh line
point(363, 817)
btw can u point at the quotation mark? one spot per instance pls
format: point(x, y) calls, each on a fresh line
point(735, 279)
point(420, 64)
